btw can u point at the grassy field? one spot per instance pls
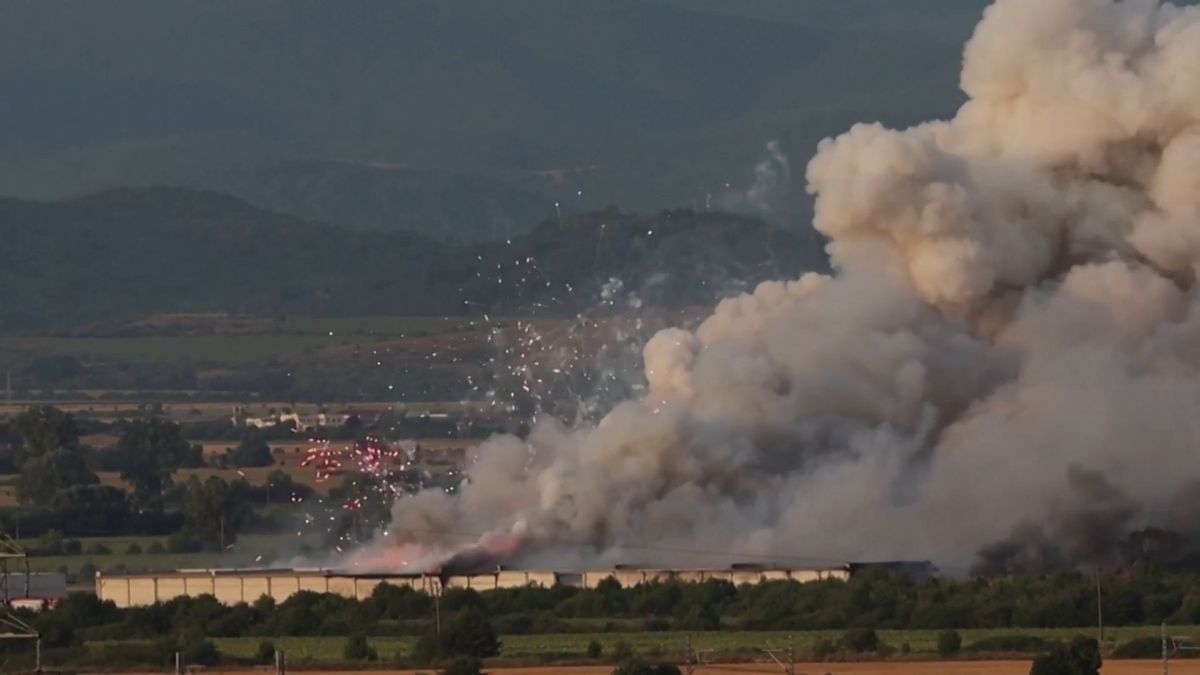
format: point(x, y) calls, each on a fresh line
point(329, 649)
point(190, 411)
point(925, 667)
point(250, 550)
point(289, 338)
point(231, 349)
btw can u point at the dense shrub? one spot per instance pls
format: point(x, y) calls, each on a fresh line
point(860, 640)
point(1147, 648)
point(594, 650)
point(622, 651)
point(469, 633)
point(823, 649)
point(358, 649)
point(638, 667)
point(1080, 657)
point(266, 653)
point(949, 643)
point(426, 649)
point(183, 543)
point(1014, 644)
point(463, 665)
point(133, 549)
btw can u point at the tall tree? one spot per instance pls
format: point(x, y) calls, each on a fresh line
point(44, 428)
point(214, 509)
point(44, 475)
point(253, 451)
point(150, 452)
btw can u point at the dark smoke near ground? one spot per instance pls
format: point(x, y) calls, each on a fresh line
point(1003, 369)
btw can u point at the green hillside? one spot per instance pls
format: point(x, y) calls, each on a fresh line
point(132, 252)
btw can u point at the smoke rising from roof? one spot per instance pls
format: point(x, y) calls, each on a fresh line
point(1008, 351)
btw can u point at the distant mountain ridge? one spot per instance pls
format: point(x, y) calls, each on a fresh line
point(301, 106)
point(132, 252)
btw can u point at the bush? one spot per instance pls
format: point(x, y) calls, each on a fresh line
point(823, 649)
point(55, 629)
point(1080, 657)
point(469, 633)
point(98, 548)
point(133, 549)
point(464, 665)
point(199, 652)
point(622, 651)
point(594, 650)
point(1017, 644)
point(156, 548)
point(357, 649)
point(50, 543)
point(656, 625)
point(251, 452)
point(266, 653)
point(426, 649)
point(86, 573)
point(636, 667)
point(182, 543)
point(859, 640)
point(1145, 648)
point(949, 643)
point(72, 547)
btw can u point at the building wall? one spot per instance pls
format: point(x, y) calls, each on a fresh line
point(231, 587)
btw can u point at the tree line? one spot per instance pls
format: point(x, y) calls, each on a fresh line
point(465, 623)
point(60, 494)
point(874, 601)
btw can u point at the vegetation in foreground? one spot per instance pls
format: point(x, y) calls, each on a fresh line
point(869, 617)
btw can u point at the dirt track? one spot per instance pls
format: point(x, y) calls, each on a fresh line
point(888, 668)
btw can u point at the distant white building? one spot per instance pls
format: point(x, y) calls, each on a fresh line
point(307, 422)
point(35, 590)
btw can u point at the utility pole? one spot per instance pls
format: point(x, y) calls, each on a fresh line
point(1164, 648)
point(1099, 608)
point(690, 667)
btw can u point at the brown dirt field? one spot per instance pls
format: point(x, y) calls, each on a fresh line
point(884, 668)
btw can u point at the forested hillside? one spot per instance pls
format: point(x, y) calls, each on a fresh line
point(132, 252)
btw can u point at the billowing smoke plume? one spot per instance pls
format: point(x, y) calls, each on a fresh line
point(1008, 352)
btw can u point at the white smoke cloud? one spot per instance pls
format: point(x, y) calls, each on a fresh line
point(1013, 317)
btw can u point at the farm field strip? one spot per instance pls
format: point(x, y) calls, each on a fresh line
point(1015, 667)
point(329, 649)
point(250, 550)
point(292, 337)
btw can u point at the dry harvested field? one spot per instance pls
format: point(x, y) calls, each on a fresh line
point(883, 668)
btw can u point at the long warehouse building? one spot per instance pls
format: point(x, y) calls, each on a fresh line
point(232, 586)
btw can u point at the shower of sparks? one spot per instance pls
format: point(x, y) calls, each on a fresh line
point(371, 457)
point(557, 360)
